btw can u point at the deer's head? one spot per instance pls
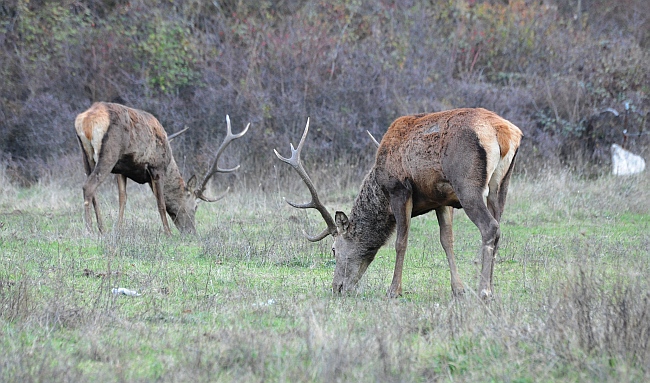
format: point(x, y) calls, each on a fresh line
point(352, 254)
point(184, 200)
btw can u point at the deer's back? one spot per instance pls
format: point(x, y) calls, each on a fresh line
point(131, 137)
point(423, 149)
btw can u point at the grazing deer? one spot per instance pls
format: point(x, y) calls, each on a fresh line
point(461, 158)
point(131, 143)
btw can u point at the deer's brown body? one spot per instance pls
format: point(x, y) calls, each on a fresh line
point(133, 144)
point(460, 158)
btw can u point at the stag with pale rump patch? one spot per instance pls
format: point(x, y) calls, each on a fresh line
point(461, 158)
point(132, 144)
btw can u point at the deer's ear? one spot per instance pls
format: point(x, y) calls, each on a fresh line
point(342, 222)
point(191, 183)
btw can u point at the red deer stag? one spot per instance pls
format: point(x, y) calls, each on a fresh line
point(132, 144)
point(461, 158)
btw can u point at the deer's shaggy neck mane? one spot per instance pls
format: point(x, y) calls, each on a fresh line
point(370, 219)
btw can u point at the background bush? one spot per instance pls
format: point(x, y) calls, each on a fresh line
point(551, 67)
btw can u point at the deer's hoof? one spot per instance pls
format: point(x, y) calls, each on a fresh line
point(486, 295)
point(394, 293)
point(457, 289)
point(458, 292)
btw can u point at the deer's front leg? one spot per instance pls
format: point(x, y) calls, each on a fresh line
point(401, 202)
point(121, 190)
point(90, 198)
point(157, 188)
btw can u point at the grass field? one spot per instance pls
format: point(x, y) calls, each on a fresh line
point(248, 298)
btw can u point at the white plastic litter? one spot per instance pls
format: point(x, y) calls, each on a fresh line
point(123, 291)
point(626, 163)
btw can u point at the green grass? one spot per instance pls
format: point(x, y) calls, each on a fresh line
point(248, 298)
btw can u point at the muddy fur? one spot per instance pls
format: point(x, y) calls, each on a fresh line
point(461, 158)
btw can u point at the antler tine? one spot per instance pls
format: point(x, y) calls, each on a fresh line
point(374, 140)
point(315, 203)
point(174, 135)
point(318, 237)
point(229, 137)
point(206, 199)
point(214, 167)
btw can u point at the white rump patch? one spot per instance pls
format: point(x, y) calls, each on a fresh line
point(91, 126)
point(626, 163)
point(494, 169)
point(501, 168)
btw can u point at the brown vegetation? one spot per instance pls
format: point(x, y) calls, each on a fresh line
point(549, 66)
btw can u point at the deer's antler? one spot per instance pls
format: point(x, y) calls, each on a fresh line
point(214, 167)
point(315, 203)
point(174, 135)
point(374, 140)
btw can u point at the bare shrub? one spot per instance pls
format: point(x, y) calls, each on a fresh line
point(351, 66)
point(599, 318)
point(15, 298)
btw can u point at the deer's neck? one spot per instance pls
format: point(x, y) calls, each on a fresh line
point(370, 218)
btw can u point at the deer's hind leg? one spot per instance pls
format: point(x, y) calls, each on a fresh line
point(445, 216)
point(471, 186)
point(93, 181)
point(89, 191)
point(98, 215)
point(477, 211)
point(496, 199)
